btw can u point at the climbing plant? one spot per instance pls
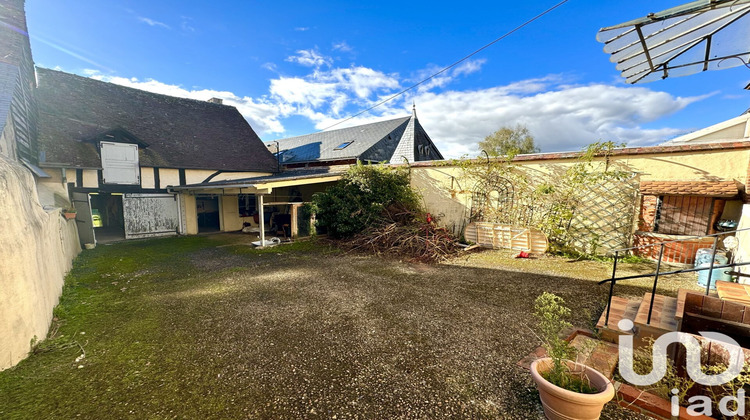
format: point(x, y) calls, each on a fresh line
point(554, 198)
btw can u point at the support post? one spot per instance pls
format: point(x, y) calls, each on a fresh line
point(293, 227)
point(262, 220)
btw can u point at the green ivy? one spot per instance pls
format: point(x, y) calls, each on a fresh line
point(364, 195)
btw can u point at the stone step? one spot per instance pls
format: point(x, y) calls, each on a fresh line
point(621, 309)
point(662, 316)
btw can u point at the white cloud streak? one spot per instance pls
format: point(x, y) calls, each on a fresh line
point(310, 58)
point(152, 22)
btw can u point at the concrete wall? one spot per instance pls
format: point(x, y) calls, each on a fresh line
point(38, 247)
point(447, 191)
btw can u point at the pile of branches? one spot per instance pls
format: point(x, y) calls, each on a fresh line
point(404, 237)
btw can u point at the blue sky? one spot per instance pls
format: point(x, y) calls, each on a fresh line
point(293, 68)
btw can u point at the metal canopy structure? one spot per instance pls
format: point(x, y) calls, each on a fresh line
point(697, 36)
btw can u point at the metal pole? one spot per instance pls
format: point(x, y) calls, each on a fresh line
point(656, 280)
point(611, 289)
point(262, 221)
point(711, 269)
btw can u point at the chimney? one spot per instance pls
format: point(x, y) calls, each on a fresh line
point(216, 101)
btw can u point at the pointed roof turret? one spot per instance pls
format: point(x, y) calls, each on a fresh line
point(415, 144)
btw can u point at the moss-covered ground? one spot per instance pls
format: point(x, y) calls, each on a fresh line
point(207, 327)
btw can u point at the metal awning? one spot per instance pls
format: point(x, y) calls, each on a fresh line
point(697, 36)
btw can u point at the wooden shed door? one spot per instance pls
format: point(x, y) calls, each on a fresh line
point(84, 221)
point(150, 215)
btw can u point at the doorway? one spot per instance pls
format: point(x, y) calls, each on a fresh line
point(107, 217)
point(208, 214)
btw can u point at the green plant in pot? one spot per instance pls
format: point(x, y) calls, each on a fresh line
point(568, 390)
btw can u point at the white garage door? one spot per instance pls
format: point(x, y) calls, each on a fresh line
point(150, 215)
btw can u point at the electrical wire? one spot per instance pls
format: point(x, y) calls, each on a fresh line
point(444, 69)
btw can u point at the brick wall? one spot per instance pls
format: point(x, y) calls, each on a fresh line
point(648, 213)
point(682, 252)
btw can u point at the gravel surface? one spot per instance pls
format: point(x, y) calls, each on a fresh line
point(299, 331)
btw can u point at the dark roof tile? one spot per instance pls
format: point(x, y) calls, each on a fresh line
point(180, 133)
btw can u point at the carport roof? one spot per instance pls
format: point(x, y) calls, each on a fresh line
point(265, 184)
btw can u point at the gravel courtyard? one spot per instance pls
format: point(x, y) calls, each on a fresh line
point(206, 327)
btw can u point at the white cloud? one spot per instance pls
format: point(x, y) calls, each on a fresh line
point(310, 58)
point(302, 28)
point(446, 77)
point(561, 117)
point(342, 46)
point(323, 94)
point(186, 24)
point(262, 114)
point(152, 22)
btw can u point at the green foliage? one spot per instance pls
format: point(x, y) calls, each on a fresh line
point(509, 141)
point(643, 364)
point(505, 193)
point(552, 319)
point(731, 388)
point(364, 195)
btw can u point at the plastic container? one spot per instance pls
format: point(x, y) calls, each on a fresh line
point(703, 260)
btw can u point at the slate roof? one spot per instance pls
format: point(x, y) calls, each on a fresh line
point(705, 188)
point(178, 132)
point(374, 142)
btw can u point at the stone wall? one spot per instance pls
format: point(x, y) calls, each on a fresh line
point(38, 246)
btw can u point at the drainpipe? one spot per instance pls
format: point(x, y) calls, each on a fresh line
point(278, 156)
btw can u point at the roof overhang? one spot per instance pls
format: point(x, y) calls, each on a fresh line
point(697, 36)
point(256, 186)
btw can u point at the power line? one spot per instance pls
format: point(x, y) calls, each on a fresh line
point(396, 95)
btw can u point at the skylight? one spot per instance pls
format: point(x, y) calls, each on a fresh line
point(343, 145)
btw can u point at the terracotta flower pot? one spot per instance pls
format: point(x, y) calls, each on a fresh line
point(561, 404)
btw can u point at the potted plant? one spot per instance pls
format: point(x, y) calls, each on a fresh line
point(69, 214)
point(568, 390)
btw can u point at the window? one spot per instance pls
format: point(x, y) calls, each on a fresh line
point(120, 163)
point(686, 214)
point(343, 145)
point(247, 204)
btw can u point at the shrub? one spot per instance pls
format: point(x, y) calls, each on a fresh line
point(365, 194)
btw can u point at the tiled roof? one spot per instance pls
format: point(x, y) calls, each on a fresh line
point(179, 132)
point(724, 189)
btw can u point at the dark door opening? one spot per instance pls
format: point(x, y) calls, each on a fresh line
point(107, 215)
point(208, 214)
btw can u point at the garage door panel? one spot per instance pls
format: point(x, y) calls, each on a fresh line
point(149, 215)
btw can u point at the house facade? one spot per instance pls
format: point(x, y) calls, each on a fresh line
point(114, 152)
